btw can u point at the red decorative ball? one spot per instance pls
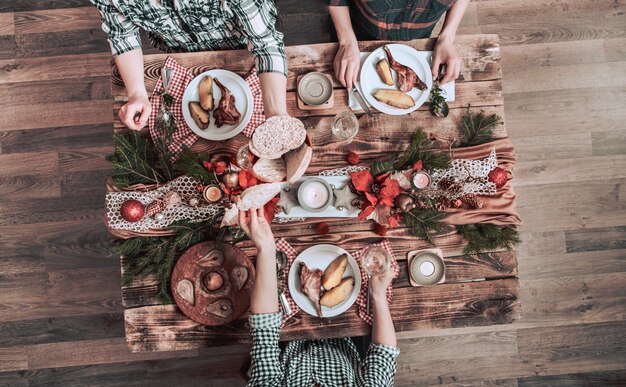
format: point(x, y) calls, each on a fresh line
point(353, 158)
point(322, 228)
point(499, 177)
point(132, 210)
point(380, 229)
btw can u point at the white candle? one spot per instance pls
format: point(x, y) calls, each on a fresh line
point(427, 268)
point(315, 194)
point(421, 180)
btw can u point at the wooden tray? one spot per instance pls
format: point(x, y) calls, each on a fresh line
point(193, 265)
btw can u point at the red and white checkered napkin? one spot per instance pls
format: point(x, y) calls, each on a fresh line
point(184, 136)
point(361, 301)
point(286, 248)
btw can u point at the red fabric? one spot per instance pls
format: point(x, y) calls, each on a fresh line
point(258, 114)
point(361, 301)
point(286, 248)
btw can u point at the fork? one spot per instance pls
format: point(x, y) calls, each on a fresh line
point(165, 121)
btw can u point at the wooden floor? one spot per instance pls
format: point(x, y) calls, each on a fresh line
point(564, 66)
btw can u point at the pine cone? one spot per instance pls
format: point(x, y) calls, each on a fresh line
point(155, 207)
point(450, 186)
point(375, 187)
point(352, 188)
point(472, 201)
point(358, 203)
point(442, 203)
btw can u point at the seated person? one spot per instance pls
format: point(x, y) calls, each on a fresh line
point(395, 20)
point(184, 26)
point(306, 363)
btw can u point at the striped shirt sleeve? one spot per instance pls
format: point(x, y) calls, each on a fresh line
point(380, 365)
point(258, 19)
point(123, 34)
point(266, 368)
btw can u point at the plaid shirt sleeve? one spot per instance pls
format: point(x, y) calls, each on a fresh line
point(380, 364)
point(257, 18)
point(123, 34)
point(266, 368)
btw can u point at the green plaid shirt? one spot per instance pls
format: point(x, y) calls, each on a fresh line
point(304, 363)
point(196, 25)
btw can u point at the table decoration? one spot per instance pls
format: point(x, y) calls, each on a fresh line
point(426, 267)
point(315, 194)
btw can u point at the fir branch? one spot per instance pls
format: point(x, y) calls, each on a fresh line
point(422, 148)
point(477, 128)
point(190, 164)
point(438, 105)
point(380, 167)
point(487, 237)
point(423, 223)
point(133, 160)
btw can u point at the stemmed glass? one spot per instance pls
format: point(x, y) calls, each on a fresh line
point(375, 261)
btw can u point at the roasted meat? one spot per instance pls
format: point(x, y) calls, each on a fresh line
point(226, 112)
point(311, 285)
point(407, 79)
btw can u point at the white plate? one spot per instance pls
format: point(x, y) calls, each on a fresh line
point(370, 80)
point(243, 102)
point(319, 257)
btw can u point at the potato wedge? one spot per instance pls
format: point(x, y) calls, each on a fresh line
point(205, 90)
point(394, 98)
point(198, 114)
point(338, 294)
point(334, 272)
point(384, 71)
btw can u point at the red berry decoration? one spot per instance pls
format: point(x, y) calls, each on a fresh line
point(380, 229)
point(498, 176)
point(132, 210)
point(353, 158)
point(322, 228)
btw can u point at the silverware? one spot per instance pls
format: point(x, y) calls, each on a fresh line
point(165, 121)
point(361, 101)
point(281, 262)
point(369, 290)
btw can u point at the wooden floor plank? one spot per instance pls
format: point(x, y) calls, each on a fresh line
point(60, 138)
point(7, 24)
point(30, 5)
point(13, 359)
point(602, 378)
point(61, 43)
point(36, 163)
point(608, 143)
point(55, 68)
point(37, 92)
point(57, 20)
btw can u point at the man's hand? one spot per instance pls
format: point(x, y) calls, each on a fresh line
point(255, 225)
point(380, 283)
point(134, 114)
point(347, 63)
point(445, 53)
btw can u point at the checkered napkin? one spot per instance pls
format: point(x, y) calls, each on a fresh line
point(184, 136)
point(361, 301)
point(286, 248)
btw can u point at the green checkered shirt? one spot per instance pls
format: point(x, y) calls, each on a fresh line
point(196, 25)
point(304, 363)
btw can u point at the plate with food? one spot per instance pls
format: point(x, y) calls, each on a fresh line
point(324, 280)
point(395, 79)
point(217, 104)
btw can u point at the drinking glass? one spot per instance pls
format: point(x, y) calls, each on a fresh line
point(345, 126)
point(375, 261)
point(243, 157)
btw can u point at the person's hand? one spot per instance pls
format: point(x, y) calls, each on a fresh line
point(380, 283)
point(347, 63)
point(134, 114)
point(445, 53)
point(255, 225)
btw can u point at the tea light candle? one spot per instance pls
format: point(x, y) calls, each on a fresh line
point(427, 268)
point(212, 193)
point(420, 180)
point(315, 195)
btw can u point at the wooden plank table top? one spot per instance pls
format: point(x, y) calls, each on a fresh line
point(480, 290)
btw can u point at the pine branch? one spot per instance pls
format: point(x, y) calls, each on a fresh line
point(133, 160)
point(487, 237)
point(190, 164)
point(423, 223)
point(421, 148)
point(477, 128)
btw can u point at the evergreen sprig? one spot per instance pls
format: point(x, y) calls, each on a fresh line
point(190, 164)
point(133, 161)
point(422, 148)
point(438, 105)
point(483, 237)
point(423, 223)
point(477, 127)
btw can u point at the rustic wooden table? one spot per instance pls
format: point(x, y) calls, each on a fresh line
point(478, 290)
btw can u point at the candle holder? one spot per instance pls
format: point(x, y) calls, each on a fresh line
point(315, 194)
point(426, 267)
point(420, 180)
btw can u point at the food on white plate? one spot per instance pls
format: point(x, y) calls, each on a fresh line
point(334, 272)
point(213, 281)
point(298, 161)
point(338, 294)
point(270, 170)
point(205, 91)
point(311, 281)
point(184, 288)
point(277, 136)
point(384, 71)
point(199, 115)
point(407, 79)
point(222, 308)
point(240, 276)
point(257, 196)
point(226, 112)
point(394, 98)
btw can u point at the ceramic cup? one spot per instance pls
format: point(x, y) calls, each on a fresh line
point(315, 89)
point(427, 268)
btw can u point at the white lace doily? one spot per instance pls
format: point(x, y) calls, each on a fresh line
point(345, 171)
point(472, 173)
point(186, 188)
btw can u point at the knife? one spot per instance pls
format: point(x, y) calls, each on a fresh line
point(361, 101)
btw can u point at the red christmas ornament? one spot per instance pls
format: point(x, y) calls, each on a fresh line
point(200, 187)
point(322, 228)
point(380, 229)
point(498, 176)
point(353, 158)
point(456, 203)
point(132, 210)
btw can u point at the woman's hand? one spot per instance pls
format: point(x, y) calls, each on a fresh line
point(134, 114)
point(347, 63)
point(445, 53)
point(255, 225)
point(380, 283)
